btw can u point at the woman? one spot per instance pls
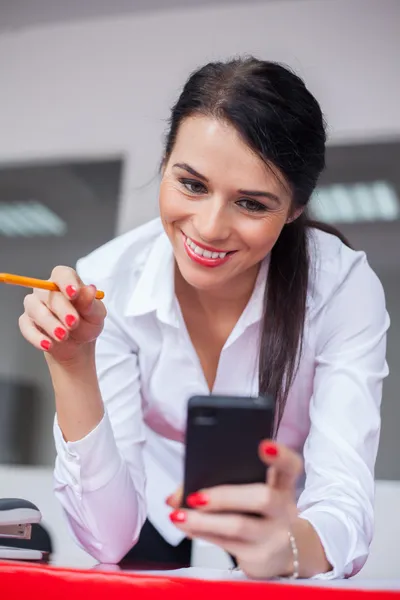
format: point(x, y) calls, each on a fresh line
point(232, 291)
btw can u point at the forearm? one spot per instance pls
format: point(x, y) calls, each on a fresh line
point(79, 405)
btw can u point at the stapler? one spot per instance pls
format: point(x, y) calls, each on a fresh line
point(17, 517)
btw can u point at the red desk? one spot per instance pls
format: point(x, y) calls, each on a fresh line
point(18, 580)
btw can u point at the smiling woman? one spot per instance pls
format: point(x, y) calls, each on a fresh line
point(210, 204)
point(232, 291)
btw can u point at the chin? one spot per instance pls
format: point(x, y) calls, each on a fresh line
point(201, 279)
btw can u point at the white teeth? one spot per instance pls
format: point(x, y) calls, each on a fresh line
point(206, 253)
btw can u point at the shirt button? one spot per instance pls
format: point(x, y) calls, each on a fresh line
point(71, 457)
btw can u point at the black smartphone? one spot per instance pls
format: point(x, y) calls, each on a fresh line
point(222, 438)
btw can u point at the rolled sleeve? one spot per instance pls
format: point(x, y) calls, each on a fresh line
point(341, 448)
point(334, 535)
point(81, 464)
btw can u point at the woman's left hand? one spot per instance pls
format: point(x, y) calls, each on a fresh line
point(223, 515)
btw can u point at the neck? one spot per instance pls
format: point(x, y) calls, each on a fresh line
point(233, 296)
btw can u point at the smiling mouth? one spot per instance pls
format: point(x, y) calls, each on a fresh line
point(205, 256)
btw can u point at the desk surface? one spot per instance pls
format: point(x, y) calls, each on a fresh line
point(235, 576)
point(228, 575)
point(162, 572)
point(46, 582)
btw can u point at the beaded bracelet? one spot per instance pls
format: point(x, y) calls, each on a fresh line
point(295, 553)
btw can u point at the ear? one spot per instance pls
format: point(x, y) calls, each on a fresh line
point(295, 214)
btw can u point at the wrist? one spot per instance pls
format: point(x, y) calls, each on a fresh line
point(80, 361)
point(290, 555)
point(310, 553)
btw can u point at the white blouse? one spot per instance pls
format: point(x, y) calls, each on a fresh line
point(122, 471)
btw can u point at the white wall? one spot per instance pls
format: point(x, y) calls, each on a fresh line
point(104, 87)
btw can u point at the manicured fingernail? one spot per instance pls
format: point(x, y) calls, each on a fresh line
point(45, 344)
point(70, 320)
point(197, 499)
point(71, 291)
point(60, 333)
point(270, 450)
point(178, 516)
point(93, 287)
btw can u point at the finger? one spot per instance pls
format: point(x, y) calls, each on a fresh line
point(257, 499)
point(175, 499)
point(33, 335)
point(44, 319)
point(63, 309)
point(67, 280)
point(235, 527)
point(285, 465)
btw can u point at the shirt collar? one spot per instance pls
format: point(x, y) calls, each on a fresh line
point(155, 289)
point(255, 306)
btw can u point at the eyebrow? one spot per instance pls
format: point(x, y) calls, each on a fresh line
point(253, 193)
point(190, 170)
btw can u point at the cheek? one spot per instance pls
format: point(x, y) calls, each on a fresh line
point(172, 205)
point(261, 235)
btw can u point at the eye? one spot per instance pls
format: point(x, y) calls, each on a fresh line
point(193, 186)
point(252, 205)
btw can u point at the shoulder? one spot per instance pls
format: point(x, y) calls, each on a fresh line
point(337, 270)
point(121, 259)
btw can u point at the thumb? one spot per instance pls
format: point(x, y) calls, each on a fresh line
point(175, 500)
point(85, 301)
point(285, 465)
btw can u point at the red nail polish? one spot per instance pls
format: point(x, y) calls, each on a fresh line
point(45, 344)
point(197, 499)
point(178, 516)
point(71, 291)
point(70, 320)
point(60, 333)
point(270, 450)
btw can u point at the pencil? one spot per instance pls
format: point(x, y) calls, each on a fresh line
point(31, 282)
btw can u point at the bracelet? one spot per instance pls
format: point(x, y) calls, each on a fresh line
point(295, 553)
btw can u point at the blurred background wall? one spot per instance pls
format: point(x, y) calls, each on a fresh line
point(91, 83)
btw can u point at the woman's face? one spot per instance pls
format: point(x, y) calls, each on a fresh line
point(221, 207)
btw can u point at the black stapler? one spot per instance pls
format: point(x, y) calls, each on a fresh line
point(19, 525)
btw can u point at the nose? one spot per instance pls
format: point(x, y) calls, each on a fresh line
point(212, 221)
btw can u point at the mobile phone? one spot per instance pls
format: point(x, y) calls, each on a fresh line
point(222, 438)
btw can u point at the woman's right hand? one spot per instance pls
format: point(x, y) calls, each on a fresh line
point(64, 324)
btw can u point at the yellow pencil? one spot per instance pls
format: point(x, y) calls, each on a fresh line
point(31, 282)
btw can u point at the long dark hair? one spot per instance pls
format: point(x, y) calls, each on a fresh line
point(280, 120)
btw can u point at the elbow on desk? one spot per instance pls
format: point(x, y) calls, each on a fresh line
point(109, 556)
point(110, 551)
point(107, 540)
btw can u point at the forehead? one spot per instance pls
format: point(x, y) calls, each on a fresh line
point(215, 149)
